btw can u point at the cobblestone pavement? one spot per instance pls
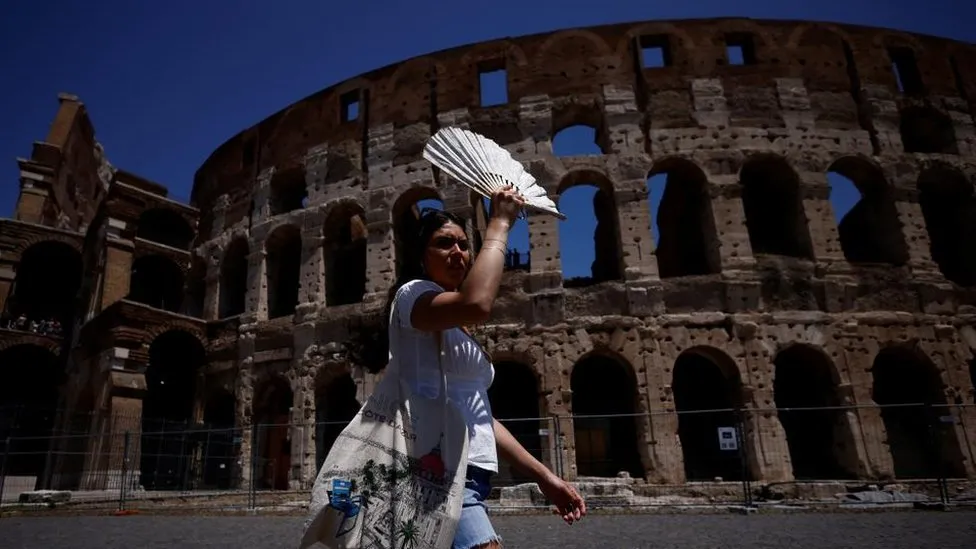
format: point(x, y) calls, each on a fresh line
point(794, 531)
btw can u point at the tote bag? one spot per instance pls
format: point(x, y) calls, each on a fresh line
point(394, 478)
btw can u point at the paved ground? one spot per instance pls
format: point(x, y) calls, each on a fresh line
point(796, 531)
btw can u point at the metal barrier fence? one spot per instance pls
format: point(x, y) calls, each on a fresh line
point(826, 454)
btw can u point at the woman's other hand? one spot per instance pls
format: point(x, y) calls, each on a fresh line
point(506, 204)
point(568, 501)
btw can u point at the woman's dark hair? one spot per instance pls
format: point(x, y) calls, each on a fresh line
point(369, 347)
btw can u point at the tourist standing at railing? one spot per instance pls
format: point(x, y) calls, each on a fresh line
point(442, 290)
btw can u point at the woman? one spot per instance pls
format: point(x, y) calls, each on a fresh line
point(442, 290)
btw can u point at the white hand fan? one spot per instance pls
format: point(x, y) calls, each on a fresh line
point(484, 166)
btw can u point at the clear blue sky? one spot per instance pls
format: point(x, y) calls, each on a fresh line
point(167, 82)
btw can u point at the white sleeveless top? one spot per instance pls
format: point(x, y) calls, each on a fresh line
point(469, 372)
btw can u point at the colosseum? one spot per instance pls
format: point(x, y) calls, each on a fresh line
point(214, 332)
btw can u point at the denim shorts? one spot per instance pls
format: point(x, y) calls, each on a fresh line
point(474, 528)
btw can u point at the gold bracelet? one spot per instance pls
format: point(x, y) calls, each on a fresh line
point(498, 240)
point(502, 250)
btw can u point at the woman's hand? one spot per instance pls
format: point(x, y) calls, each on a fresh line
point(506, 204)
point(569, 503)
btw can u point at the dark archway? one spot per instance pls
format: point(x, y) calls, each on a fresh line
point(233, 279)
point(870, 232)
point(284, 268)
point(164, 226)
point(686, 240)
point(926, 130)
point(157, 281)
point(272, 416)
point(47, 282)
point(288, 191)
point(587, 199)
point(175, 358)
point(606, 442)
point(773, 206)
point(706, 392)
point(906, 386)
point(821, 445)
point(345, 255)
point(949, 208)
point(514, 399)
point(219, 448)
point(406, 215)
point(335, 406)
point(30, 380)
point(196, 288)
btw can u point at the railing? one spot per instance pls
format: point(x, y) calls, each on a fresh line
point(810, 455)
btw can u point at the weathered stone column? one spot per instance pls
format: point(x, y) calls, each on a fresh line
point(244, 399)
point(664, 445)
point(729, 215)
point(861, 345)
point(765, 439)
point(212, 282)
point(634, 219)
point(118, 264)
point(256, 306)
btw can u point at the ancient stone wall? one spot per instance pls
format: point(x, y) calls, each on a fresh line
point(753, 279)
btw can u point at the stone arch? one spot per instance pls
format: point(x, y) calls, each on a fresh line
point(927, 130)
point(273, 402)
point(31, 378)
point(798, 37)
point(408, 100)
point(607, 263)
point(948, 206)
point(345, 245)
point(604, 406)
point(515, 402)
point(165, 226)
point(176, 358)
point(46, 284)
point(336, 405)
point(707, 390)
point(50, 344)
point(687, 240)
point(284, 265)
point(492, 50)
point(871, 231)
point(910, 389)
point(33, 240)
point(772, 201)
point(805, 389)
point(157, 281)
point(289, 191)
point(188, 327)
point(593, 64)
point(573, 119)
point(405, 215)
point(887, 38)
point(814, 50)
point(596, 44)
point(233, 279)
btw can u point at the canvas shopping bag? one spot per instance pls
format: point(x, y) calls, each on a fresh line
point(394, 478)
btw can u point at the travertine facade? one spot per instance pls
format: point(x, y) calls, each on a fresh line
point(754, 298)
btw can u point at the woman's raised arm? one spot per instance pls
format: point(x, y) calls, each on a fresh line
point(471, 302)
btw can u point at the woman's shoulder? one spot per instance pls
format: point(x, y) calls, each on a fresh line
point(416, 287)
point(407, 295)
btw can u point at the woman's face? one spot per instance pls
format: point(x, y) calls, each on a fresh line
point(448, 256)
